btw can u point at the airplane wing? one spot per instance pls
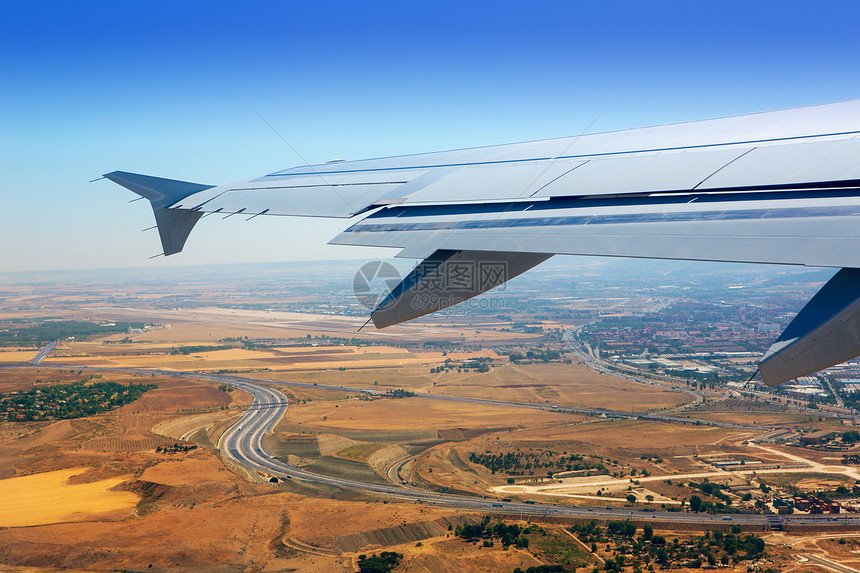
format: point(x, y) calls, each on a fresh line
point(778, 187)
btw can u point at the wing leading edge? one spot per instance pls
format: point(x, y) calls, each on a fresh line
point(779, 187)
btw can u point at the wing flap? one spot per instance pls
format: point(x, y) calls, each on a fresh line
point(825, 332)
point(757, 228)
point(791, 164)
point(492, 182)
point(447, 278)
point(642, 173)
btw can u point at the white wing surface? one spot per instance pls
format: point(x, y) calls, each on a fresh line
point(779, 187)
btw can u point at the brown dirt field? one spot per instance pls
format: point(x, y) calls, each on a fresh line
point(185, 471)
point(179, 394)
point(15, 379)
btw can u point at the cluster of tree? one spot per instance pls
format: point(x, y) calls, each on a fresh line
point(516, 463)
point(511, 534)
point(441, 344)
point(536, 355)
point(309, 340)
point(382, 563)
point(186, 350)
point(63, 401)
point(226, 387)
point(712, 489)
point(542, 569)
point(42, 332)
point(175, 448)
point(711, 548)
point(851, 436)
point(480, 364)
point(698, 504)
point(125, 340)
point(521, 326)
point(400, 393)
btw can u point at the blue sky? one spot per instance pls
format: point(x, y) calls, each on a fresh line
point(173, 89)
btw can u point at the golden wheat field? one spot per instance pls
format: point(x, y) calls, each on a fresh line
point(44, 498)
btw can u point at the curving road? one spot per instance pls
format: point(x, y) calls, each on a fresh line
point(243, 445)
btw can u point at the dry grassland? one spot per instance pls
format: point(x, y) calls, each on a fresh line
point(45, 498)
point(214, 520)
point(37, 447)
point(558, 384)
point(415, 413)
point(619, 445)
point(138, 355)
point(212, 323)
point(413, 378)
point(640, 436)
point(17, 356)
point(811, 481)
point(451, 554)
point(787, 419)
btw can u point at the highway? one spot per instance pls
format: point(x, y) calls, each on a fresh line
point(242, 444)
point(44, 352)
point(584, 352)
point(488, 402)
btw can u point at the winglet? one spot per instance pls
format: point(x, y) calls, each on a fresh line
point(174, 225)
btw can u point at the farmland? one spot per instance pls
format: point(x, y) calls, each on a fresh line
point(151, 468)
point(23, 499)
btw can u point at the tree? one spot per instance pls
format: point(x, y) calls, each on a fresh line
point(695, 503)
point(648, 531)
point(631, 498)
